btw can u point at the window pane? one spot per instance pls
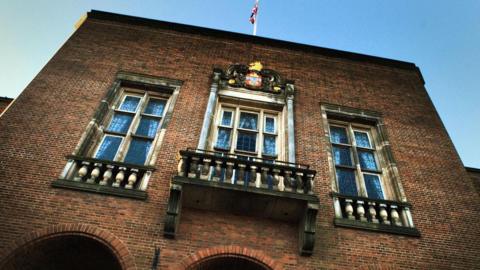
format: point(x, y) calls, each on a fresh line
point(155, 107)
point(108, 148)
point(227, 119)
point(148, 127)
point(362, 139)
point(342, 156)
point(247, 141)
point(269, 145)
point(270, 125)
point(248, 121)
point(346, 182)
point(338, 135)
point(130, 104)
point(374, 188)
point(137, 152)
point(120, 123)
point(367, 160)
point(223, 138)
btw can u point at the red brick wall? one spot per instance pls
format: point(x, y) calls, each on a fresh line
point(4, 102)
point(47, 120)
point(475, 175)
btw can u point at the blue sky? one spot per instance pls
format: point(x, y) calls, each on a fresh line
point(441, 37)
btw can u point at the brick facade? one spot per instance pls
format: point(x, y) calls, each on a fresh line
point(4, 102)
point(48, 118)
point(475, 175)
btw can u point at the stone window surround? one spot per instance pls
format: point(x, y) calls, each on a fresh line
point(221, 94)
point(162, 86)
point(380, 138)
point(261, 113)
point(404, 224)
point(168, 88)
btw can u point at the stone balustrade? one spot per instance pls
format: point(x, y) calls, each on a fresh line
point(374, 213)
point(246, 171)
point(107, 173)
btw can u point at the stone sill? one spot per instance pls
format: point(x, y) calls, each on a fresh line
point(356, 224)
point(95, 188)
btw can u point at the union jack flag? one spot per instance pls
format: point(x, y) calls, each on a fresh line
point(253, 16)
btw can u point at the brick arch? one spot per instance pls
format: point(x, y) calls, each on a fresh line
point(225, 251)
point(112, 242)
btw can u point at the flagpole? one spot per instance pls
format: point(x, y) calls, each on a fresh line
point(255, 23)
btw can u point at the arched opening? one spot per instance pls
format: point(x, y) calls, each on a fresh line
point(228, 262)
point(62, 252)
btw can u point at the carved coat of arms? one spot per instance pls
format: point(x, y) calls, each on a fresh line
point(254, 77)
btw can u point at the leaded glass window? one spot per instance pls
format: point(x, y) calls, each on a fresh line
point(373, 186)
point(247, 131)
point(120, 123)
point(130, 104)
point(355, 161)
point(248, 121)
point(246, 141)
point(138, 151)
point(347, 182)
point(109, 147)
point(132, 129)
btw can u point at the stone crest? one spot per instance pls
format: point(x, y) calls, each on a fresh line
point(254, 77)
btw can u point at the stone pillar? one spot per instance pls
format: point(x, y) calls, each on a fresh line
point(207, 118)
point(290, 123)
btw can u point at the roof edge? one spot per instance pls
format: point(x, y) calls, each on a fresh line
point(470, 169)
point(191, 29)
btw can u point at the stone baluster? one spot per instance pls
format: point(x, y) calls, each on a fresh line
point(407, 217)
point(193, 167)
point(241, 174)
point(132, 179)
point(218, 170)
point(288, 178)
point(298, 181)
point(119, 177)
point(107, 175)
point(349, 209)
point(337, 207)
point(373, 212)
point(278, 179)
point(182, 166)
point(95, 173)
point(361, 211)
point(310, 183)
point(144, 180)
point(82, 172)
point(229, 172)
point(253, 176)
point(205, 168)
point(395, 216)
point(384, 214)
point(263, 179)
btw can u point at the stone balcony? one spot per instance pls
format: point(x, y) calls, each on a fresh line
point(217, 181)
point(374, 214)
point(106, 177)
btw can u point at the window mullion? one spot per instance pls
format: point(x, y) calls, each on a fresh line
point(235, 130)
point(260, 133)
point(128, 137)
point(360, 181)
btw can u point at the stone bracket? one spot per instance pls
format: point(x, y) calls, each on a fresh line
point(174, 207)
point(307, 229)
